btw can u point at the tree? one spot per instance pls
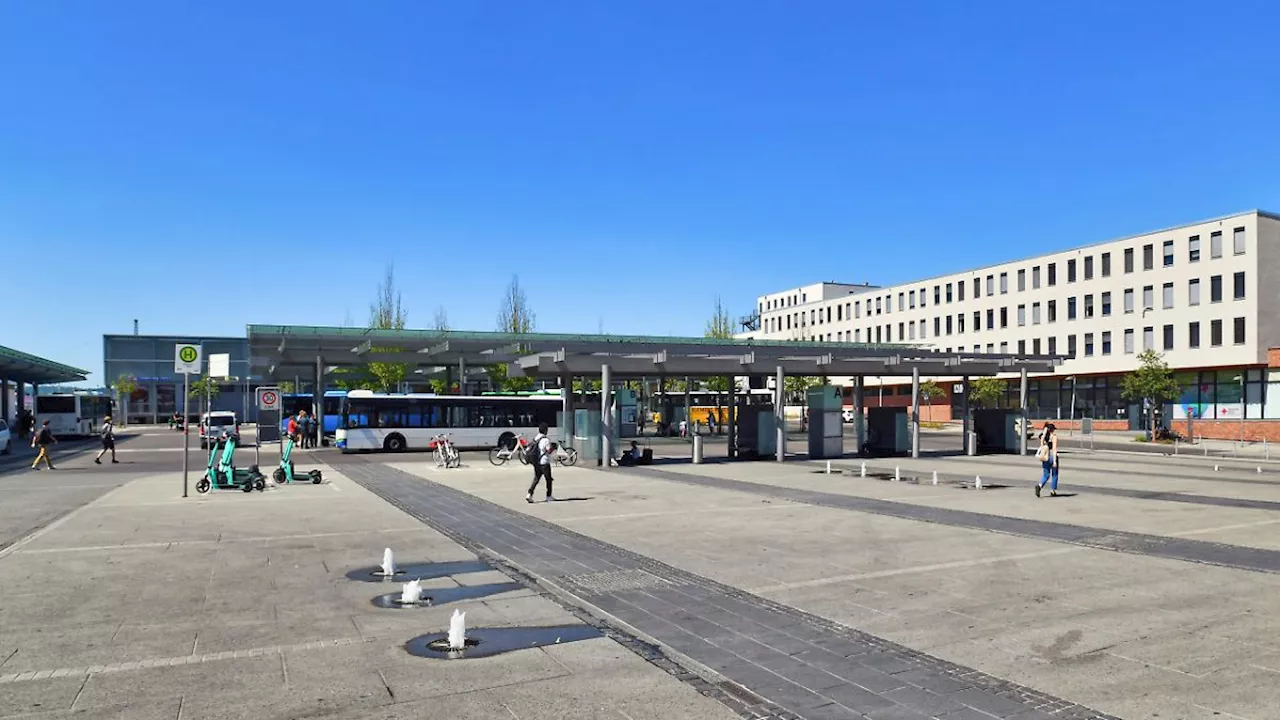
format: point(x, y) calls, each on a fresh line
point(515, 317)
point(286, 387)
point(206, 388)
point(441, 320)
point(387, 313)
point(987, 391)
point(125, 385)
point(930, 389)
point(1152, 383)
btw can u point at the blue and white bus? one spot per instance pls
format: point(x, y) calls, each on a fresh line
point(334, 402)
point(397, 422)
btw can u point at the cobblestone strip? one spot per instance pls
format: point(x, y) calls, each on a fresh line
point(787, 663)
point(1199, 551)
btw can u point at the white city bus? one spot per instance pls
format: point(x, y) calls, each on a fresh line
point(72, 414)
point(397, 422)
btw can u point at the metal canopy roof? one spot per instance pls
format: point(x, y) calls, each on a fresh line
point(17, 365)
point(283, 350)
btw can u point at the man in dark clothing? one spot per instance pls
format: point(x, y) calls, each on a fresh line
point(43, 439)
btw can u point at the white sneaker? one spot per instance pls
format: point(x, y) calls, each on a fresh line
point(528, 498)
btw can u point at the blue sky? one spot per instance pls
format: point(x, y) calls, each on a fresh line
point(630, 161)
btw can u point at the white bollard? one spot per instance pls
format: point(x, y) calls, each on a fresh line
point(977, 482)
point(864, 470)
point(1259, 469)
point(896, 474)
point(1215, 468)
point(935, 477)
point(828, 467)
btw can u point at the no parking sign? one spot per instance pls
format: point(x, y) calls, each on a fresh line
point(268, 398)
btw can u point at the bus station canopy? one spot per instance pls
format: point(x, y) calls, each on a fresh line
point(282, 351)
point(19, 366)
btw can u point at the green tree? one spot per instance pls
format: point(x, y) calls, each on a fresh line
point(206, 389)
point(1152, 383)
point(515, 316)
point(386, 312)
point(987, 391)
point(125, 386)
point(930, 389)
point(590, 385)
point(286, 387)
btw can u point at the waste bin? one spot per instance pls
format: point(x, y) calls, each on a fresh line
point(697, 449)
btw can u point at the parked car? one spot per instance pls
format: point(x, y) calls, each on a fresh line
point(5, 438)
point(214, 424)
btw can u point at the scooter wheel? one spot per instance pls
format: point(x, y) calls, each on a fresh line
point(315, 479)
point(278, 476)
point(260, 484)
point(247, 487)
point(202, 485)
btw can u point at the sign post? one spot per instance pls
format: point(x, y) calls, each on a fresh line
point(268, 400)
point(186, 360)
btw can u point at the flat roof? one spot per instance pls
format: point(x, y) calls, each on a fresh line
point(17, 365)
point(284, 350)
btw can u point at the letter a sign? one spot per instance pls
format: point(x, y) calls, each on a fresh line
point(186, 359)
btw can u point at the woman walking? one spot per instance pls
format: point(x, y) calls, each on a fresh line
point(1048, 457)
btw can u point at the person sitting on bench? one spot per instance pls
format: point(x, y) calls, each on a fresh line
point(631, 456)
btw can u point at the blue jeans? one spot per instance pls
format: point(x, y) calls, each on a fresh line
point(1050, 471)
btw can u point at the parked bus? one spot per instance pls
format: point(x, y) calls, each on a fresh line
point(334, 403)
point(396, 422)
point(72, 414)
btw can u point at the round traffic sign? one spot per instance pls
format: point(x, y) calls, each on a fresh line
point(269, 398)
point(188, 354)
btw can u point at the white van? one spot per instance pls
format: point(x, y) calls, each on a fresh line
point(214, 424)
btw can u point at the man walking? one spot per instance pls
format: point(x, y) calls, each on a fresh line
point(43, 439)
point(540, 458)
point(108, 441)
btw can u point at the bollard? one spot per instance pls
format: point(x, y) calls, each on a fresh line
point(1266, 449)
point(896, 474)
point(972, 448)
point(697, 449)
point(935, 477)
point(864, 470)
point(1259, 469)
point(828, 467)
point(977, 482)
point(1215, 468)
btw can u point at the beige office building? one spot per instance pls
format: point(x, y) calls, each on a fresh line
point(1204, 295)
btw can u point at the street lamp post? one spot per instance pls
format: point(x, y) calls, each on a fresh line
point(1073, 405)
point(1242, 407)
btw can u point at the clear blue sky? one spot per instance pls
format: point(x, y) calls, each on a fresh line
point(630, 160)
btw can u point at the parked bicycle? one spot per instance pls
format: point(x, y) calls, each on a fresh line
point(445, 453)
point(505, 451)
point(564, 454)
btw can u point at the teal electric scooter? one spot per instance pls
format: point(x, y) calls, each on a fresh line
point(222, 474)
point(285, 473)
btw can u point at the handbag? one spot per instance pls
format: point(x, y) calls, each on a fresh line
point(1043, 453)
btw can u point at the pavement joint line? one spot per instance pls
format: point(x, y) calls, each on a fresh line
point(224, 541)
point(438, 505)
point(1155, 546)
point(60, 521)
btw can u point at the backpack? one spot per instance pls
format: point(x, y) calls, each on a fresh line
point(533, 452)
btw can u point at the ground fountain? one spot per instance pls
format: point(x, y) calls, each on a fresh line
point(388, 563)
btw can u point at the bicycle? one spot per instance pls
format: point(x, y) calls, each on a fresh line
point(502, 453)
point(446, 454)
point(565, 454)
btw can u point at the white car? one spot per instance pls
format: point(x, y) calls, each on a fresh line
point(214, 424)
point(5, 438)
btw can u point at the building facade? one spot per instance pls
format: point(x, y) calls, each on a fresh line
point(1197, 294)
point(149, 360)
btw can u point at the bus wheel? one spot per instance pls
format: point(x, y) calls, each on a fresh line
point(394, 443)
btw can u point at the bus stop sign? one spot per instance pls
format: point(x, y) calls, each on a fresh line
point(268, 399)
point(186, 359)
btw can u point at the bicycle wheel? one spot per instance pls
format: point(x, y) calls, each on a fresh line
point(570, 457)
point(498, 456)
point(524, 459)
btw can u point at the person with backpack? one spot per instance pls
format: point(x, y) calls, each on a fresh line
point(539, 455)
point(108, 441)
point(43, 439)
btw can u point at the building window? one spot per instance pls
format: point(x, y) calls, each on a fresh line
point(1237, 241)
point(990, 348)
point(1071, 271)
point(1148, 298)
point(1071, 308)
point(1148, 338)
point(1238, 330)
point(1106, 264)
point(1022, 315)
point(1238, 285)
point(960, 291)
point(878, 338)
point(991, 285)
point(937, 327)
point(1071, 346)
point(1088, 267)
point(977, 320)
point(1035, 278)
point(1035, 346)
point(1168, 253)
point(911, 330)
point(1166, 295)
point(960, 322)
point(888, 304)
point(948, 293)
point(1088, 344)
point(1193, 292)
point(922, 294)
point(1215, 245)
point(1106, 342)
point(991, 319)
point(1193, 335)
point(1053, 346)
point(1004, 348)
point(1022, 280)
point(1088, 306)
point(1128, 260)
point(1193, 249)
point(1052, 310)
point(937, 294)
point(1022, 347)
point(922, 329)
point(1053, 274)
point(1106, 304)
point(1128, 300)
point(1128, 341)
point(1168, 337)
point(828, 314)
point(902, 331)
point(1215, 288)
point(1004, 318)
point(1004, 283)
point(1148, 257)
point(839, 312)
point(1035, 313)
point(1215, 333)
point(948, 324)
point(977, 288)
point(902, 305)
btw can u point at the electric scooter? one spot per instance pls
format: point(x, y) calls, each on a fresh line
point(222, 473)
point(285, 473)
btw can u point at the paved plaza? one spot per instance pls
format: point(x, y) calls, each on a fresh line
point(1145, 590)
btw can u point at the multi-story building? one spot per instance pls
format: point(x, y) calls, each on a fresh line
point(1202, 295)
point(149, 360)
